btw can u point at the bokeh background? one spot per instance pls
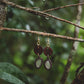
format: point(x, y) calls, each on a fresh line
point(17, 48)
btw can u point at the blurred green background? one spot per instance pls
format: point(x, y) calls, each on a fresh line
point(17, 48)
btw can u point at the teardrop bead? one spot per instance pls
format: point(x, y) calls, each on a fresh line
point(48, 64)
point(38, 63)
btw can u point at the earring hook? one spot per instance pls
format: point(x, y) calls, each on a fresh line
point(38, 42)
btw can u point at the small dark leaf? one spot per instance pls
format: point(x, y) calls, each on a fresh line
point(79, 75)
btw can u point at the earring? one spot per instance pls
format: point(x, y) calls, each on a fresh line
point(48, 51)
point(38, 51)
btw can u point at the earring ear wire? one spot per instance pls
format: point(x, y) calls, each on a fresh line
point(38, 42)
point(48, 42)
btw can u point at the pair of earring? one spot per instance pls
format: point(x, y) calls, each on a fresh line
point(47, 51)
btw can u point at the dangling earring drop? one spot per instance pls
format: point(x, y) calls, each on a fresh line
point(38, 51)
point(48, 51)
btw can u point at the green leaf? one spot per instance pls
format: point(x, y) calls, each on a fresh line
point(10, 78)
point(14, 71)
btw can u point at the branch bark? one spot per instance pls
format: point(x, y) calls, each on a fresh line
point(57, 8)
point(74, 46)
point(40, 13)
point(42, 33)
point(2, 13)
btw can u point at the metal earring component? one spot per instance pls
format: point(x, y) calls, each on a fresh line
point(48, 52)
point(38, 51)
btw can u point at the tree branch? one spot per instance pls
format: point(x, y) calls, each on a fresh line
point(42, 33)
point(74, 46)
point(40, 13)
point(71, 5)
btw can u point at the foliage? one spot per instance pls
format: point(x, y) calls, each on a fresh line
point(12, 74)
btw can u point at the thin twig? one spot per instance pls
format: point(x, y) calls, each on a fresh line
point(74, 47)
point(71, 5)
point(40, 13)
point(42, 33)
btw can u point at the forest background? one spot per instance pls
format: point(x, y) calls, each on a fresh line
point(17, 47)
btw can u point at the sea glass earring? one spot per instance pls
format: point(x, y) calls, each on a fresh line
point(38, 51)
point(48, 52)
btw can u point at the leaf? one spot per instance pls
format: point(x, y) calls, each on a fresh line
point(14, 71)
point(10, 78)
point(79, 79)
